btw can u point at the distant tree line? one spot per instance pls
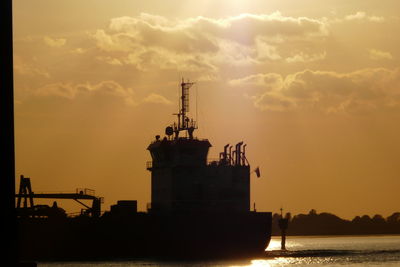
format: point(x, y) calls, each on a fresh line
point(329, 224)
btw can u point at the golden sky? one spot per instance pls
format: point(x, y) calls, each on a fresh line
point(313, 88)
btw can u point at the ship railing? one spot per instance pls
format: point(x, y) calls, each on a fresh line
point(222, 162)
point(210, 162)
point(173, 139)
point(218, 162)
point(85, 191)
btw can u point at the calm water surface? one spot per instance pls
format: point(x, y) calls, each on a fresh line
point(316, 251)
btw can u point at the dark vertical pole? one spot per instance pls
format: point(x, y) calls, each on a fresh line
point(7, 187)
point(283, 225)
point(183, 103)
point(283, 239)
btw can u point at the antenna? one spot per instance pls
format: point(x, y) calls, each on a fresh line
point(184, 123)
point(185, 101)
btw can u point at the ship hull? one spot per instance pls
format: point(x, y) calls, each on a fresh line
point(175, 236)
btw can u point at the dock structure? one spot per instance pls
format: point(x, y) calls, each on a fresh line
point(26, 195)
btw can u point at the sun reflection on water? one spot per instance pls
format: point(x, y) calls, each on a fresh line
point(267, 262)
point(289, 261)
point(274, 244)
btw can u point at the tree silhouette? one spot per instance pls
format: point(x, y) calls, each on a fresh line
point(326, 223)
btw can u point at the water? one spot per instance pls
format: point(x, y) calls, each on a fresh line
point(316, 251)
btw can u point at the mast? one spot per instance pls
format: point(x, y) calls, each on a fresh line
point(184, 122)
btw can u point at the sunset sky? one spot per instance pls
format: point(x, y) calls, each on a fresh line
point(313, 88)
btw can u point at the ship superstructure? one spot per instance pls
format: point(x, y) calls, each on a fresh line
point(182, 178)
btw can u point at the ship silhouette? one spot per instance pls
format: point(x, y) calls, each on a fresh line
point(199, 208)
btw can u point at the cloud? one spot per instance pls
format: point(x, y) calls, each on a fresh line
point(274, 102)
point(330, 92)
point(302, 57)
point(376, 54)
point(267, 81)
point(29, 70)
point(78, 50)
point(117, 42)
point(362, 16)
point(107, 89)
point(202, 44)
point(54, 42)
point(376, 19)
point(356, 16)
point(265, 50)
point(110, 60)
point(156, 99)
